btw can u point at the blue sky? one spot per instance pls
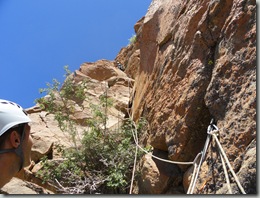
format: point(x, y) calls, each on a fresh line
point(39, 37)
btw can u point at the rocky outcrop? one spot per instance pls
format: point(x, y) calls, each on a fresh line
point(102, 77)
point(198, 62)
point(17, 186)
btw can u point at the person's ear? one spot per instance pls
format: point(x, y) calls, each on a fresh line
point(15, 139)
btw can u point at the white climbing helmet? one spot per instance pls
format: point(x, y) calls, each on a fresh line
point(11, 114)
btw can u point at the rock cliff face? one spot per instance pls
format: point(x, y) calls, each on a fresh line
point(197, 62)
point(192, 61)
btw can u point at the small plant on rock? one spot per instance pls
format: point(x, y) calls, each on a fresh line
point(132, 39)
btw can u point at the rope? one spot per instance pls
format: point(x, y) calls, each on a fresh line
point(222, 160)
point(192, 178)
point(135, 136)
point(226, 174)
point(227, 161)
point(133, 172)
point(211, 131)
point(134, 132)
point(193, 183)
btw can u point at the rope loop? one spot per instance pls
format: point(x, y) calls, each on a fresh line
point(212, 131)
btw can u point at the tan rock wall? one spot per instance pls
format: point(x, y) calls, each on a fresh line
point(197, 62)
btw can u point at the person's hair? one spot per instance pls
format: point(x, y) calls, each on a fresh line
point(6, 135)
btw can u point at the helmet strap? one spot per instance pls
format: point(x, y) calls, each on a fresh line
point(18, 151)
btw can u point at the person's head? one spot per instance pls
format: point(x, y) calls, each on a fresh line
point(15, 139)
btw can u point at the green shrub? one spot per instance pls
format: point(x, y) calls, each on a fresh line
point(101, 160)
point(132, 39)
